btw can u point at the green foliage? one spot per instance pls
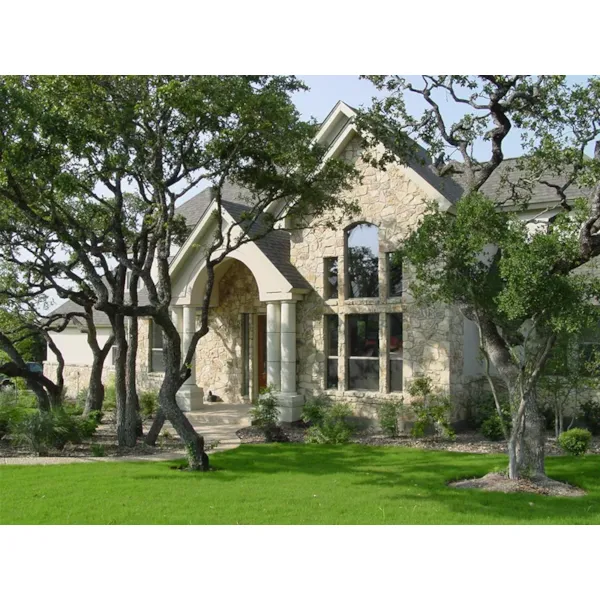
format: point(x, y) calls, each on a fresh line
point(330, 421)
point(491, 428)
point(265, 414)
point(148, 403)
point(98, 450)
point(314, 409)
point(11, 413)
point(575, 441)
point(590, 410)
point(110, 396)
point(431, 409)
point(389, 413)
point(54, 429)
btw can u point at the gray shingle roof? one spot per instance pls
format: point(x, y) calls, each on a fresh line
point(275, 245)
point(100, 319)
point(497, 188)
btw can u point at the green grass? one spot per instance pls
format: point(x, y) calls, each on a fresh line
point(287, 484)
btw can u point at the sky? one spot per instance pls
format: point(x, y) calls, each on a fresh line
point(326, 90)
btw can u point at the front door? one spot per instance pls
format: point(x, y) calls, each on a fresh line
point(262, 351)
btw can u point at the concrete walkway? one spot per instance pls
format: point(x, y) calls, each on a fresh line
point(216, 422)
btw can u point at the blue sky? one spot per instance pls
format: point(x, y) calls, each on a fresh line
point(326, 90)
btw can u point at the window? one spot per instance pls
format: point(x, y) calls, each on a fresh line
point(394, 272)
point(157, 361)
point(113, 355)
point(245, 354)
point(363, 345)
point(331, 277)
point(396, 352)
point(362, 261)
point(331, 351)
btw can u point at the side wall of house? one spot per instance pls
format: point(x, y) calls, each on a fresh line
point(432, 336)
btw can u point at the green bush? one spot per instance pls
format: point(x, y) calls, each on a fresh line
point(148, 403)
point(389, 413)
point(265, 414)
point(54, 429)
point(491, 428)
point(575, 441)
point(329, 422)
point(110, 396)
point(97, 450)
point(11, 414)
point(89, 424)
point(590, 410)
point(314, 410)
point(431, 409)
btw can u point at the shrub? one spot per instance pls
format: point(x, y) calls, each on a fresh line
point(148, 403)
point(431, 409)
point(110, 396)
point(43, 430)
point(590, 410)
point(329, 422)
point(265, 414)
point(89, 424)
point(314, 410)
point(389, 413)
point(97, 450)
point(575, 441)
point(491, 428)
point(11, 414)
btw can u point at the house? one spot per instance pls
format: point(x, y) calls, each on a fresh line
point(313, 310)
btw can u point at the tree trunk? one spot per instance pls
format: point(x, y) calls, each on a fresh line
point(194, 443)
point(125, 427)
point(526, 444)
point(132, 413)
point(95, 394)
point(157, 425)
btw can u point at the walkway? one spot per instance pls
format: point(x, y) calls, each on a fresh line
point(217, 423)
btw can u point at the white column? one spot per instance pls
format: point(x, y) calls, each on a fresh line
point(189, 327)
point(189, 396)
point(176, 317)
point(290, 402)
point(288, 347)
point(274, 345)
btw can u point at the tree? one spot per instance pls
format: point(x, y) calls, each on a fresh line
point(516, 280)
point(100, 162)
point(21, 329)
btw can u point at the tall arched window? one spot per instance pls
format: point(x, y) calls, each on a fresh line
point(362, 261)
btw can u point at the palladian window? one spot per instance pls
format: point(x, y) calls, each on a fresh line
point(363, 359)
point(362, 261)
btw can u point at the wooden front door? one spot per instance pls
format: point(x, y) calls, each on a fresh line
point(261, 339)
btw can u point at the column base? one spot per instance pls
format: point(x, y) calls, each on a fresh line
point(190, 397)
point(290, 406)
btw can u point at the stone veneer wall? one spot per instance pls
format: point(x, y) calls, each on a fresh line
point(432, 336)
point(219, 353)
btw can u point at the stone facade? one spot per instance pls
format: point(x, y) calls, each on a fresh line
point(432, 336)
point(219, 355)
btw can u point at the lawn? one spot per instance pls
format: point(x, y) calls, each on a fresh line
point(292, 484)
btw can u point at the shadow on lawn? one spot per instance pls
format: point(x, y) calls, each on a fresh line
point(411, 475)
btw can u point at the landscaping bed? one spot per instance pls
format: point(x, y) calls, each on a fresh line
point(464, 442)
point(106, 437)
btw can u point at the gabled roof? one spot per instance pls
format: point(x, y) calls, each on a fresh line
point(275, 245)
point(498, 190)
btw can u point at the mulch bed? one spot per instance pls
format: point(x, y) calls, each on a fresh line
point(464, 442)
point(496, 482)
point(107, 437)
